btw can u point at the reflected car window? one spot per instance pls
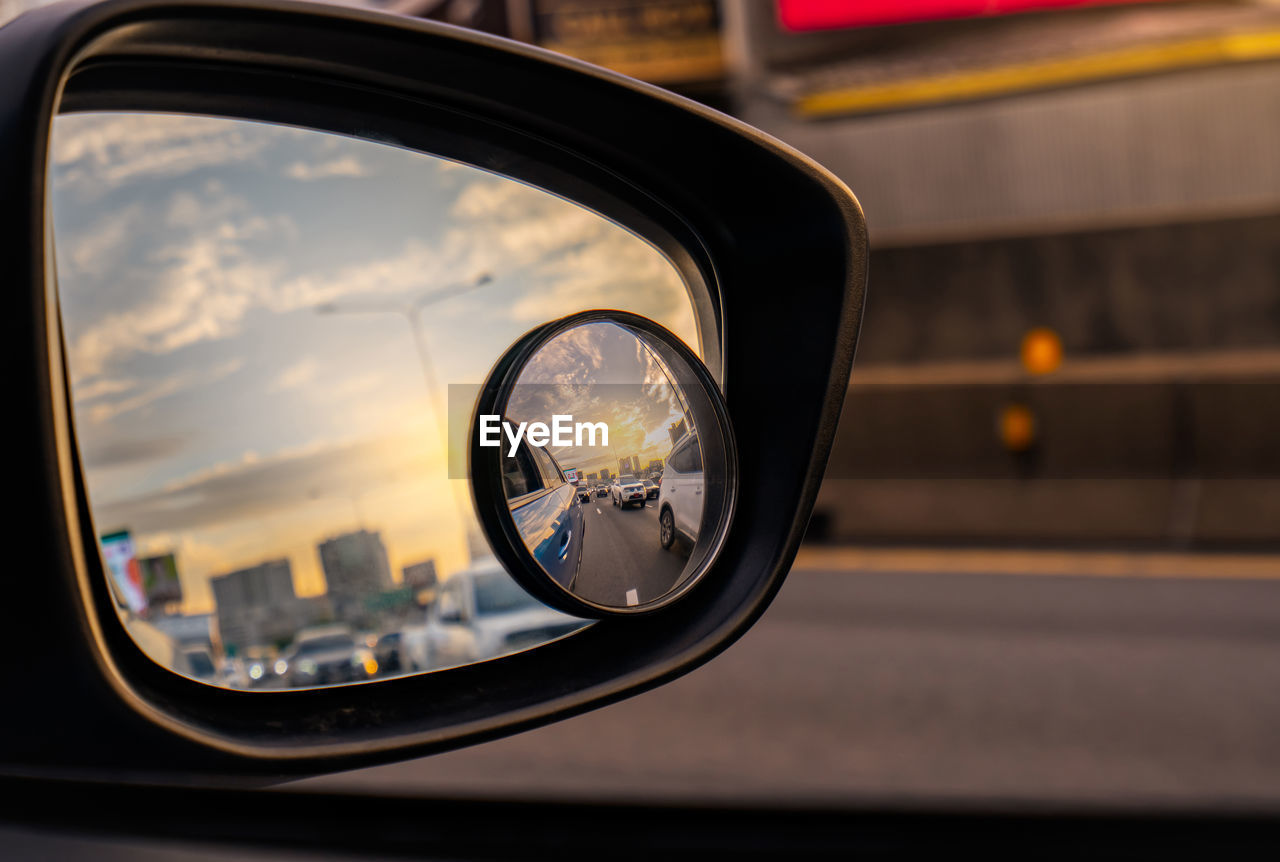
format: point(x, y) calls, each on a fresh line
point(519, 474)
point(201, 664)
point(550, 470)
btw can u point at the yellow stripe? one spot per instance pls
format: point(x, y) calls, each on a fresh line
point(1238, 48)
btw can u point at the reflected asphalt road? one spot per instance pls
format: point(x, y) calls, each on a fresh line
point(621, 554)
point(879, 686)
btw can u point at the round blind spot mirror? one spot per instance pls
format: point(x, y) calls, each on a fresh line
point(603, 464)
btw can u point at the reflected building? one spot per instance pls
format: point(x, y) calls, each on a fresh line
point(593, 478)
point(420, 580)
point(257, 607)
point(355, 568)
point(419, 576)
point(655, 466)
point(677, 430)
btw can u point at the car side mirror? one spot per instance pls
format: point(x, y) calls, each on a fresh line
point(588, 386)
point(180, 179)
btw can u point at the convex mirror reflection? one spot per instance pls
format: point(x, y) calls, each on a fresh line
point(615, 460)
point(260, 324)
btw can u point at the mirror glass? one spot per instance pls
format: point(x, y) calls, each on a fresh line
point(261, 324)
point(615, 463)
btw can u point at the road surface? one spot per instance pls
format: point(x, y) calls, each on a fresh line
point(622, 560)
point(891, 687)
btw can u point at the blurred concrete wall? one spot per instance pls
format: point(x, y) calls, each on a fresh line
point(1177, 464)
point(1194, 286)
point(1162, 426)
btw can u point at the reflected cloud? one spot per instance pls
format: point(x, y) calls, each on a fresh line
point(198, 292)
point(200, 207)
point(123, 452)
point(608, 273)
point(346, 166)
point(104, 411)
point(255, 485)
point(106, 242)
point(87, 392)
point(416, 264)
point(296, 376)
point(112, 149)
point(599, 372)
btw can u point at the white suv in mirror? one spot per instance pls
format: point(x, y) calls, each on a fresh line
point(627, 490)
point(680, 493)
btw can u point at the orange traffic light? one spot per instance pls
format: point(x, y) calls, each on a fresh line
point(1041, 351)
point(1017, 427)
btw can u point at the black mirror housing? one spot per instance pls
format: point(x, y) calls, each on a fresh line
point(774, 246)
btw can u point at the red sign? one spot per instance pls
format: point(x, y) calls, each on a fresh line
point(837, 14)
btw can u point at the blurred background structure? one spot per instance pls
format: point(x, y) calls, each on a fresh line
point(1102, 174)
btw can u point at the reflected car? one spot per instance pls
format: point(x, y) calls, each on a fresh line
point(482, 613)
point(390, 655)
point(257, 671)
point(602, 490)
point(680, 496)
point(544, 508)
point(191, 660)
point(584, 494)
point(626, 491)
point(324, 655)
point(650, 489)
point(199, 662)
point(168, 652)
point(234, 672)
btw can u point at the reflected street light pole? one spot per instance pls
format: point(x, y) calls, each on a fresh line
point(412, 313)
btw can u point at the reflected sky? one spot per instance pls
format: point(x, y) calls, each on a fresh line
point(219, 415)
point(600, 372)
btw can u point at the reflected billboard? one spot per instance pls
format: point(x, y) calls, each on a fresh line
point(122, 565)
point(803, 15)
point(160, 581)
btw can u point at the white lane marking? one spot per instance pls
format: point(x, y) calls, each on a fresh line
point(598, 512)
point(633, 598)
